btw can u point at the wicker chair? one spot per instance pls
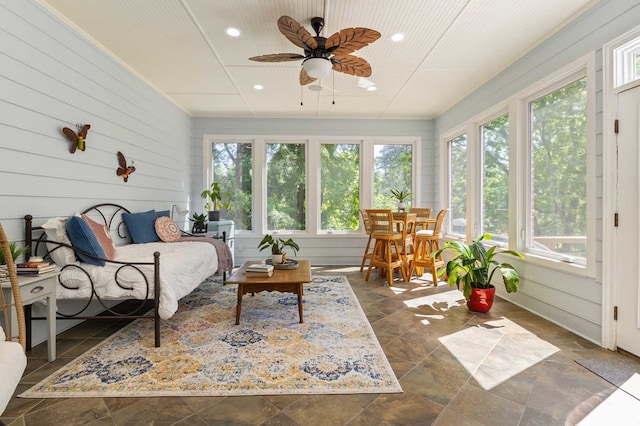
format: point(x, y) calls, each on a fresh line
point(367, 228)
point(423, 215)
point(426, 242)
point(13, 360)
point(389, 250)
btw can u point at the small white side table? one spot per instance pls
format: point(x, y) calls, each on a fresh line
point(33, 289)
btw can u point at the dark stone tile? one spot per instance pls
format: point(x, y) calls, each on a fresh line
point(398, 409)
point(485, 407)
point(324, 409)
point(280, 420)
point(71, 412)
point(253, 410)
point(156, 411)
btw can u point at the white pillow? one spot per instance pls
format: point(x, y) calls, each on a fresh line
point(56, 231)
point(2, 336)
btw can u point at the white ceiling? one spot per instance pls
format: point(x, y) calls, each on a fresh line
point(450, 48)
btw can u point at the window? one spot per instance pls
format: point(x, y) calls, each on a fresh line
point(457, 153)
point(558, 172)
point(494, 137)
point(340, 186)
point(232, 168)
point(286, 186)
point(310, 186)
point(523, 171)
point(627, 62)
point(392, 169)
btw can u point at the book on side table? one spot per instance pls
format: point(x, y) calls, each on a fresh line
point(259, 270)
point(35, 266)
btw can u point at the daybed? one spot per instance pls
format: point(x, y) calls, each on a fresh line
point(149, 259)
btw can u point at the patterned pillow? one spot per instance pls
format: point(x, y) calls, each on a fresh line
point(167, 229)
point(103, 236)
point(83, 238)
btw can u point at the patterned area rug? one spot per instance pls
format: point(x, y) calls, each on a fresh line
point(204, 353)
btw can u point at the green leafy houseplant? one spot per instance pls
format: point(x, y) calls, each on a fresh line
point(401, 195)
point(215, 198)
point(473, 266)
point(15, 252)
point(277, 245)
point(199, 223)
point(199, 217)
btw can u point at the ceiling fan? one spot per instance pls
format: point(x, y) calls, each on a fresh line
point(322, 54)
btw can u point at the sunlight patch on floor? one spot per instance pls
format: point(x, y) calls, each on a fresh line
point(620, 408)
point(495, 351)
point(439, 301)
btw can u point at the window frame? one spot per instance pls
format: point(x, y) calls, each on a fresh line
point(313, 170)
point(517, 108)
point(584, 67)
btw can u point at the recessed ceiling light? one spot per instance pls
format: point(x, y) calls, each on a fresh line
point(232, 32)
point(372, 88)
point(397, 37)
point(258, 86)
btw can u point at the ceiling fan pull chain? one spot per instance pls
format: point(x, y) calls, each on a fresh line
point(300, 95)
point(333, 91)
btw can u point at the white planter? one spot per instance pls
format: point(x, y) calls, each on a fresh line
point(276, 258)
point(401, 207)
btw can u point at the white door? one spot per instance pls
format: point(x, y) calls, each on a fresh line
point(627, 256)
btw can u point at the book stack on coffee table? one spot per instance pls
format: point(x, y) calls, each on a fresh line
point(259, 270)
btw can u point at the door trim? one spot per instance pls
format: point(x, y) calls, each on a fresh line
point(609, 235)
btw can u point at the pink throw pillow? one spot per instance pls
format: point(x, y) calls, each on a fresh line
point(103, 236)
point(167, 229)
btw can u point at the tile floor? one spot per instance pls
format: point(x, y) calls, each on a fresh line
point(507, 367)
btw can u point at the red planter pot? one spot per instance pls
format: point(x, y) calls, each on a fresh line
point(481, 299)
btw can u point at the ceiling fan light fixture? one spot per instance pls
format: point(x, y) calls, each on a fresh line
point(317, 67)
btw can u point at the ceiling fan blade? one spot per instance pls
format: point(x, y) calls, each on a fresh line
point(296, 33)
point(353, 65)
point(277, 57)
point(304, 78)
point(350, 39)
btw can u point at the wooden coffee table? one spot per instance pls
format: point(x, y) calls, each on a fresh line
point(282, 280)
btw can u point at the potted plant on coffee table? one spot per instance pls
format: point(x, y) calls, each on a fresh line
point(473, 267)
point(401, 195)
point(277, 246)
point(215, 200)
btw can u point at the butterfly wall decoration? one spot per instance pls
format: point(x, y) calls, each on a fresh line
point(78, 141)
point(124, 171)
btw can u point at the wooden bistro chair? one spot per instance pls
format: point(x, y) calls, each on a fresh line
point(388, 250)
point(423, 214)
point(368, 253)
point(427, 241)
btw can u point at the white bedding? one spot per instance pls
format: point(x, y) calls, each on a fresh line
point(183, 266)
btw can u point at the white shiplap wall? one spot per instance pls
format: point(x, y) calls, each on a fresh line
point(570, 300)
point(321, 250)
point(52, 77)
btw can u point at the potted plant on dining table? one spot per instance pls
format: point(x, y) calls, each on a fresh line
point(473, 267)
point(401, 195)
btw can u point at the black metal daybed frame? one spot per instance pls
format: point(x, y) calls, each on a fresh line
point(37, 244)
